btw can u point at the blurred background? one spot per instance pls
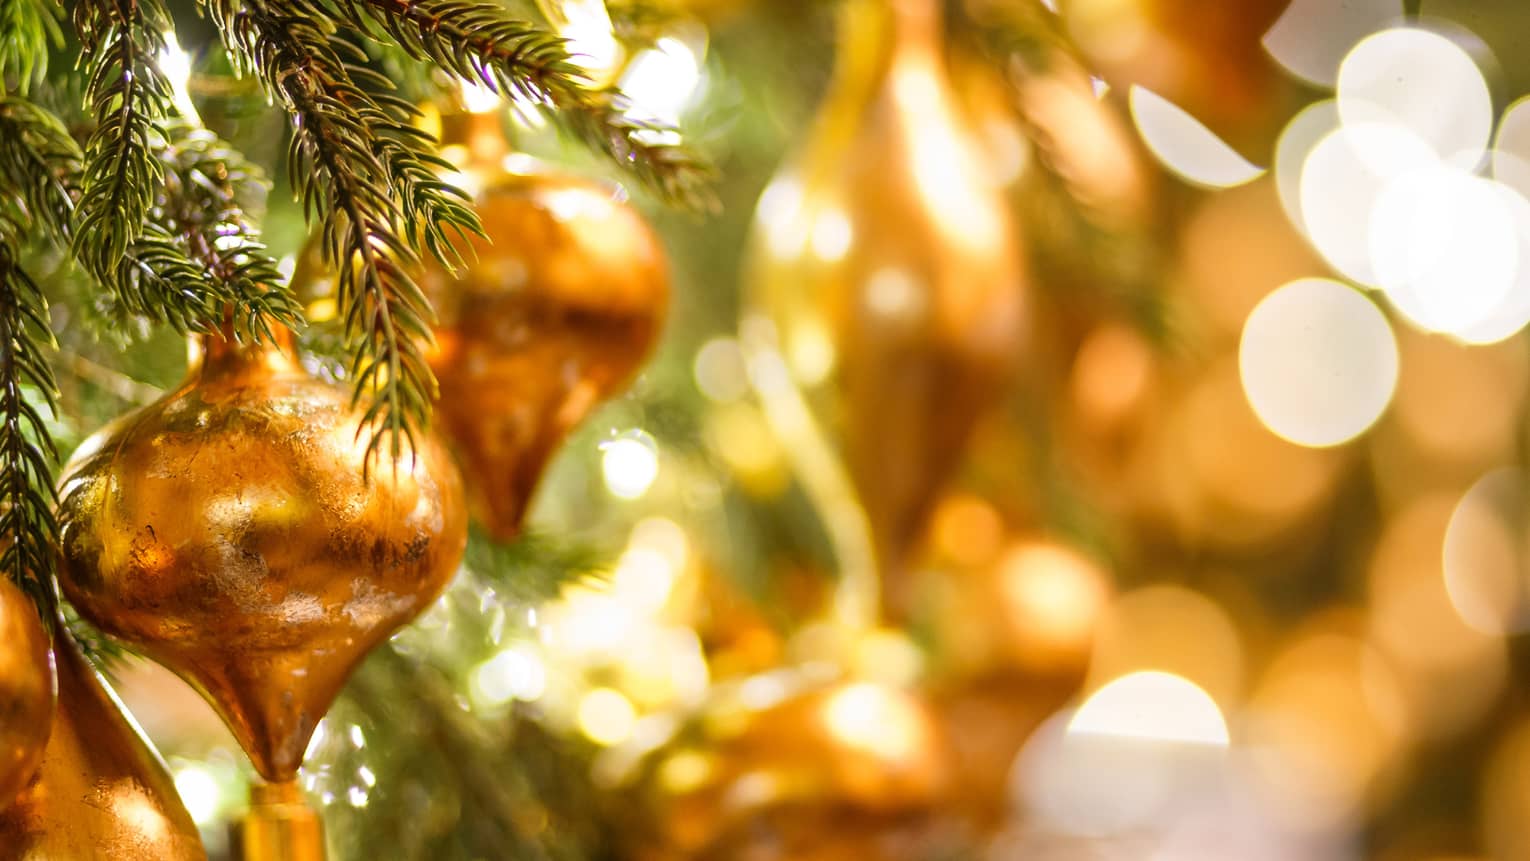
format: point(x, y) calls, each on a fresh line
point(1089, 429)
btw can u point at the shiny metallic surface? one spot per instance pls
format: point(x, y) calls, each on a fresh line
point(102, 792)
point(227, 532)
point(27, 690)
point(557, 308)
point(888, 272)
point(279, 826)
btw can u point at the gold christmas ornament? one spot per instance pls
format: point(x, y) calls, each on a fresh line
point(1016, 639)
point(858, 751)
point(27, 690)
point(888, 301)
point(102, 791)
point(556, 309)
point(227, 532)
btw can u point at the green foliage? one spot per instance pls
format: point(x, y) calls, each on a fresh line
point(30, 192)
point(153, 211)
point(532, 569)
point(362, 172)
point(485, 43)
point(129, 100)
point(201, 246)
point(39, 169)
point(27, 528)
point(27, 29)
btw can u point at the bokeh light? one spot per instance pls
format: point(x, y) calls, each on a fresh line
point(630, 464)
point(1419, 80)
point(200, 792)
point(1341, 181)
point(1185, 146)
point(1052, 600)
point(1152, 705)
point(1412, 623)
point(876, 720)
point(662, 80)
point(720, 371)
point(1292, 149)
point(1485, 554)
point(1318, 362)
point(1133, 758)
point(1312, 37)
point(592, 44)
point(606, 717)
point(1324, 722)
point(1511, 147)
point(515, 673)
point(1170, 629)
point(1112, 374)
point(1444, 246)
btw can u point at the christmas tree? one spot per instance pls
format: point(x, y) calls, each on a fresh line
point(804, 429)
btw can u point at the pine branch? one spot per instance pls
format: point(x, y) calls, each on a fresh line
point(39, 167)
point(130, 98)
point(534, 567)
point(482, 42)
point(208, 191)
point(27, 528)
point(27, 29)
point(361, 170)
point(198, 209)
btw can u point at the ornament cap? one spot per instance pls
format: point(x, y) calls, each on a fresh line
point(280, 826)
point(221, 352)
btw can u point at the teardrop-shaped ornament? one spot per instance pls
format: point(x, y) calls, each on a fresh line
point(888, 301)
point(560, 303)
point(551, 313)
point(102, 791)
point(228, 532)
point(27, 690)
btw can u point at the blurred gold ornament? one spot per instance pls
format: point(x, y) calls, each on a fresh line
point(1016, 636)
point(555, 309)
point(227, 532)
point(888, 302)
point(27, 690)
point(102, 791)
point(554, 313)
point(849, 752)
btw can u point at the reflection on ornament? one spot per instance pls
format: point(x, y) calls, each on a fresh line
point(26, 690)
point(227, 532)
point(889, 286)
point(102, 791)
